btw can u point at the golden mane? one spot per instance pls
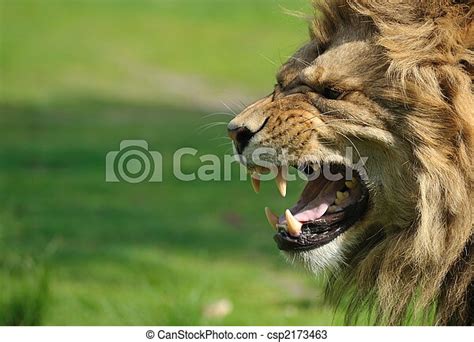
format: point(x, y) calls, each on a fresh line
point(427, 268)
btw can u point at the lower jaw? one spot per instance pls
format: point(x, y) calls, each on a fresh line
point(315, 234)
point(303, 228)
point(309, 239)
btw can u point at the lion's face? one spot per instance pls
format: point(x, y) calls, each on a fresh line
point(381, 99)
point(328, 117)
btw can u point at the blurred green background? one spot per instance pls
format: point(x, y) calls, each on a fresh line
point(78, 77)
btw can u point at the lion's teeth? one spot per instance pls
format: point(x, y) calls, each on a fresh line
point(255, 183)
point(351, 184)
point(271, 217)
point(341, 197)
point(293, 225)
point(332, 209)
point(281, 182)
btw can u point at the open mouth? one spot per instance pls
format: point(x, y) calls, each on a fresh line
point(328, 206)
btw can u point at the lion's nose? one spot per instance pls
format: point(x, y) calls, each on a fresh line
point(240, 135)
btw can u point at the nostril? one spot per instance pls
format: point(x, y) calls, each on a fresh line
point(240, 133)
point(241, 137)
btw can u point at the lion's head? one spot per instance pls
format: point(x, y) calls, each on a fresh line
point(391, 81)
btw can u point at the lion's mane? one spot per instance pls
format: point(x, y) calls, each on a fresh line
point(426, 267)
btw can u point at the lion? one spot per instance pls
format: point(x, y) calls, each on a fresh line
point(393, 81)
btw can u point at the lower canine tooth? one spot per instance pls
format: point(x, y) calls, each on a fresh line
point(271, 217)
point(293, 225)
point(281, 182)
point(256, 183)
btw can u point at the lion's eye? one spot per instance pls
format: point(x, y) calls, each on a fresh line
point(331, 93)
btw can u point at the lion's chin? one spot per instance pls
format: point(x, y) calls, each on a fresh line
point(316, 260)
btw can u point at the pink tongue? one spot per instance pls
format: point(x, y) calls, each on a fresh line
point(312, 214)
point(318, 206)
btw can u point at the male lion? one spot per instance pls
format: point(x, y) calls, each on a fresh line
point(394, 81)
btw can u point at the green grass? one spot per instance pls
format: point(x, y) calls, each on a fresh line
point(54, 48)
point(77, 250)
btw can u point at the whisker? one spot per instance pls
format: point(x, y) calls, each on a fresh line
point(352, 143)
point(237, 105)
point(300, 60)
point(225, 144)
point(242, 104)
point(342, 134)
point(205, 127)
point(217, 138)
point(352, 120)
point(324, 124)
point(338, 120)
point(228, 107)
point(268, 59)
point(328, 112)
point(229, 151)
point(217, 113)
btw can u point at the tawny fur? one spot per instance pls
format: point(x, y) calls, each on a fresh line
point(406, 69)
point(428, 46)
